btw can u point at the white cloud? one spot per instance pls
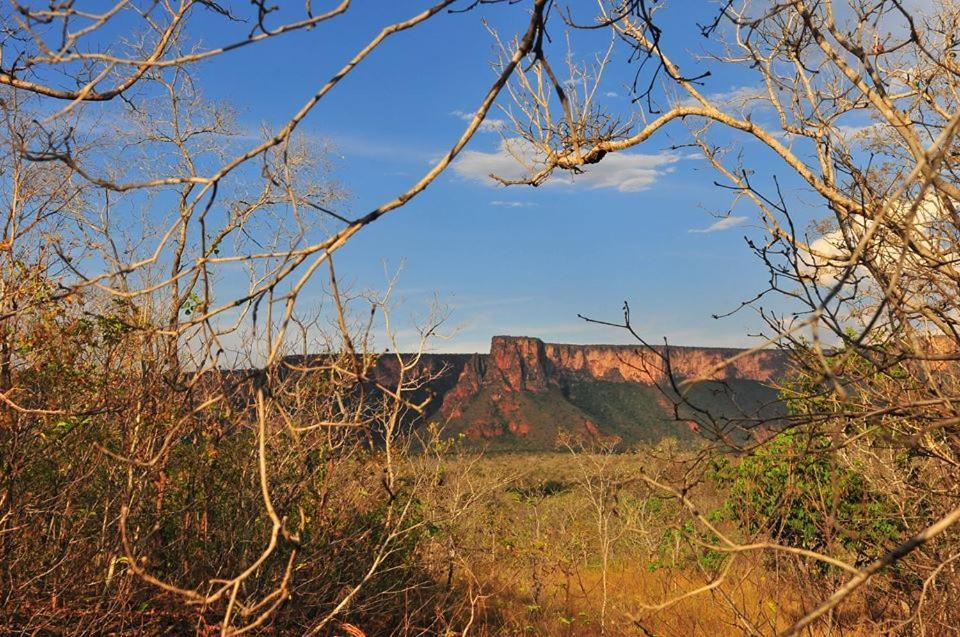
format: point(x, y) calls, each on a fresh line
point(516, 159)
point(488, 125)
point(611, 94)
point(877, 243)
point(720, 224)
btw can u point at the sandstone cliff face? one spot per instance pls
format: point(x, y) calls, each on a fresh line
point(467, 386)
point(528, 390)
point(503, 386)
point(519, 364)
point(632, 364)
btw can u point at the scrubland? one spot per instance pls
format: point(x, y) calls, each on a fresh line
point(573, 543)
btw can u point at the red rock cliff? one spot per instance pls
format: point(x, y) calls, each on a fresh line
point(632, 364)
point(519, 364)
point(524, 364)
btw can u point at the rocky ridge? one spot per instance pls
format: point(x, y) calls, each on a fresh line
point(524, 386)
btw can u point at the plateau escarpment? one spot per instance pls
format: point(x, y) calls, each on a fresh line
point(525, 392)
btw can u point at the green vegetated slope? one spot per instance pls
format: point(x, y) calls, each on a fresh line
point(635, 413)
point(537, 418)
point(735, 400)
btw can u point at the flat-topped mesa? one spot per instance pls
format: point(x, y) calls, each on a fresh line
point(522, 363)
point(526, 391)
point(518, 364)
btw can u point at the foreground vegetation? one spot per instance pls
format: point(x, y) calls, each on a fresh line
point(167, 468)
point(580, 541)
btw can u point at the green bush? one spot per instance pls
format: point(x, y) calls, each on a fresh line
point(796, 489)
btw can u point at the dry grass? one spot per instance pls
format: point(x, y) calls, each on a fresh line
point(569, 606)
point(535, 562)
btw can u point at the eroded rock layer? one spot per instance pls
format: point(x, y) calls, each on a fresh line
point(524, 392)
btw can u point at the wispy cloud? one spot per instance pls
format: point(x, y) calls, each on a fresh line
point(466, 303)
point(745, 98)
point(515, 159)
point(456, 345)
point(512, 204)
point(350, 145)
point(475, 337)
point(720, 224)
point(853, 133)
point(488, 125)
point(611, 94)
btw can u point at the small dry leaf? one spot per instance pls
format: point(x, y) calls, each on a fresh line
point(352, 631)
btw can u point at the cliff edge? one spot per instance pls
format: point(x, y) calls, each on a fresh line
point(525, 392)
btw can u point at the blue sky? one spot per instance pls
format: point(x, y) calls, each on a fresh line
point(504, 260)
